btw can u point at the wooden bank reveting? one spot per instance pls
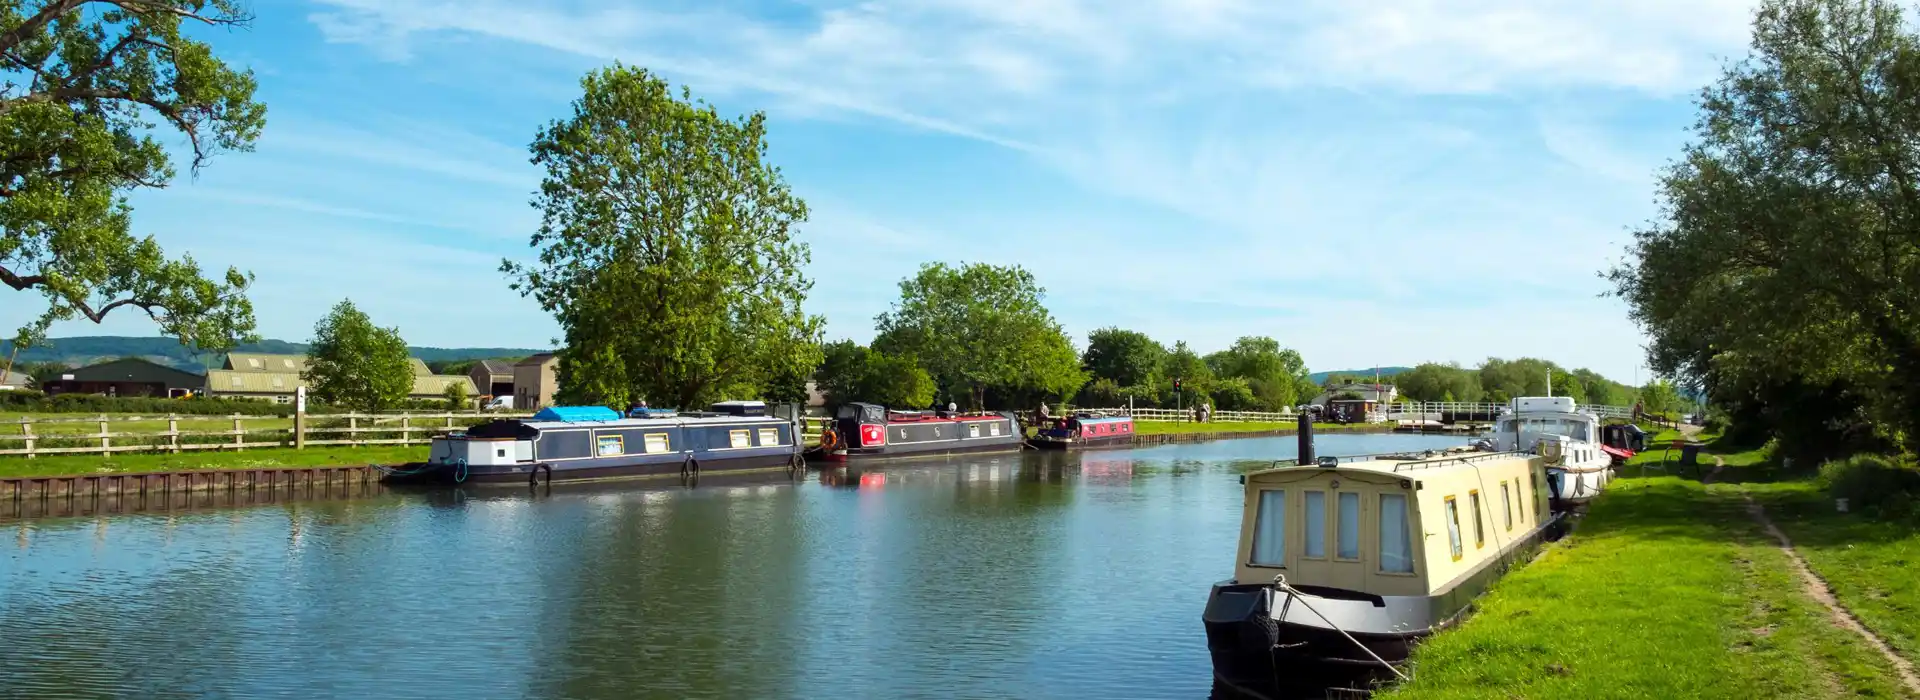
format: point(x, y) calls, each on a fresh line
point(21, 488)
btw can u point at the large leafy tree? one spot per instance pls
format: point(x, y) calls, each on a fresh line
point(667, 249)
point(1128, 358)
point(1788, 249)
point(356, 364)
point(1276, 376)
point(977, 326)
point(851, 372)
point(1437, 382)
point(87, 81)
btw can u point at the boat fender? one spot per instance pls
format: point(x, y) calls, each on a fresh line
point(533, 475)
point(691, 467)
point(796, 463)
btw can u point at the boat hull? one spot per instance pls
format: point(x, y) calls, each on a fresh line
point(1048, 442)
point(911, 450)
point(598, 469)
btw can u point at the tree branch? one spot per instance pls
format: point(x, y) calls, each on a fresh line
point(33, 24)
point(20, 282)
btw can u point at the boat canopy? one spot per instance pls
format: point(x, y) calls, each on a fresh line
point(576, 414)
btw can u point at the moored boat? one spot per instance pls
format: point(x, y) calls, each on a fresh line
point(1579, 465)
point(1342, 567)
point(864, 431)
point(571, 443)
point(1084, 431)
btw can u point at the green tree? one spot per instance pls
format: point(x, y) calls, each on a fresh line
point(1567, 384)
point(1128, 358)
point(353, 363)
point(1787, 253)
point(456, 396)
point(1510, 379)
point(978, 326)
point(1185, 365)
point(86, 81)
point(1438, 382)
point(1274, 374)
point(851, 372)
point(1659, 397)
point(666, 248)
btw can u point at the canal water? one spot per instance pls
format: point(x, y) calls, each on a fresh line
point(1033, 575)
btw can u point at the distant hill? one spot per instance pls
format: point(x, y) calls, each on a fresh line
point(89, 349)
point(1384, 372)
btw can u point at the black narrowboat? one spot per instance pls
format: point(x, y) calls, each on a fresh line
point(1085, 431)
point(575, 443)
point(862, 431)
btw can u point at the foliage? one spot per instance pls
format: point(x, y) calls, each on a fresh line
point(451, 366)
point(36, 402)
point(1873, 484)
point(854, 373)
point(1659, 397)
point(1276, 376)
point(666, 248)
point(456, 396)
point(1127, 358)
point(1503, 380)
point(978, 326)
point(1789, 241)
point(85, 77)
point(1438, 382)
point(355, 363)
point(1237, 394)
point(42, 372)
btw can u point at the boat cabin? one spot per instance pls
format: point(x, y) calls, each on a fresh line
point(1391, 528)
point(598, 436)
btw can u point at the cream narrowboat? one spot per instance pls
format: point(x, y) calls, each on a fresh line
point(1384, 550)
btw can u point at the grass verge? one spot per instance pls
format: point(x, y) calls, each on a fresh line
point(58, 465)
point(1868, 563)
point(1667, 590)
point(1159, 428)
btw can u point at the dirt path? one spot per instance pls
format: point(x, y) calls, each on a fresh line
point(1817, 589)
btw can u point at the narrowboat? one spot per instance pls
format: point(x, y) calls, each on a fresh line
point(573, 443)
point(1085, 431)
point(1343, 566)
point(1579, 464)
point(862, 431)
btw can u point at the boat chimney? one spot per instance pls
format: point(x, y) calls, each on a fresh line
point(1306, 435)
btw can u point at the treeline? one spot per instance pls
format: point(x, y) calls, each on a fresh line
point(1255, 374)
point(1783, 274)
point(1498, 381)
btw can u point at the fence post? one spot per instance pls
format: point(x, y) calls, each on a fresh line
point(300, 418)
point(239, 434)
point(406, 428)
point(26, 429)
point(173, 433)
point(353, 430)
point(106, 443)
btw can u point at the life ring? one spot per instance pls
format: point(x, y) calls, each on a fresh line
point(829, 439)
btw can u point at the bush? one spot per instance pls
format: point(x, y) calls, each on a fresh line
point(1874, 484)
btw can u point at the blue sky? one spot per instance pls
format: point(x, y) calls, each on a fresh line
point(1370, 181)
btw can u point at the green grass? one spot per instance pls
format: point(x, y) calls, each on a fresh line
point(1666, 590)
point(1870, 564)
point(10, 424)
point(1159, 428)
point(59, 465)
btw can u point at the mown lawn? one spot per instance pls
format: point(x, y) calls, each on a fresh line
point(56, 465)
point(1667, 589)
point(1872, 565)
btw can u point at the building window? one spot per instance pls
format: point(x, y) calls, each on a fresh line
point(1270, 531)
point(1396, 547)
point(611, 445)
point(739, 438)
point(235, 380)
point(1347, 527)
point(769, 437)
point(1316, 530)
point(1506, 504)
point(253, 362)
point(657, 443)
point(1453, 527)
point(287, 362)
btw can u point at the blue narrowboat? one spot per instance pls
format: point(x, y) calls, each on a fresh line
point(574, 443)
point(1085, 431)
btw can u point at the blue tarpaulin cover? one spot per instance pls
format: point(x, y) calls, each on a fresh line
point(576, 414)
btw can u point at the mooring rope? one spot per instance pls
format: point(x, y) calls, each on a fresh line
point(1280, 582)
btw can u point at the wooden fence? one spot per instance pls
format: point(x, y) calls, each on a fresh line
point(30, 437)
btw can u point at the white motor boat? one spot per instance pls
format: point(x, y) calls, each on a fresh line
point(1554, 427)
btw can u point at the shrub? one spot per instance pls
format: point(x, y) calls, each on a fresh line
point(1873, 484)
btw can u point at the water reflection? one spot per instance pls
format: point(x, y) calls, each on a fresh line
point(1032, 575)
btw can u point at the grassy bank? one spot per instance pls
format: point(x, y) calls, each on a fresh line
point(1667, 590)
point(10, 423)
point(1867, 562)
point(55, 465)
point(1158, 428)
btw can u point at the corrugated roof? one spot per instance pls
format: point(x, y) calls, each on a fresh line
point(419, 368)
point(436, 384)
point(264, 362)
point(252, 382)
point(11, 378)
point(498, 368)
point(535, 359)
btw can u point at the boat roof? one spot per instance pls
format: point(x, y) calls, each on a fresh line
point(659, 422)
point(1413, 469)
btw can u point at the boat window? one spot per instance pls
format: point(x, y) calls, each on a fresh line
point(1506, 504)
point(1453, 527)
point(1316, 521)
point(973, 430)
point(994, 428)
point(769, 436)
point(657, 442)
point(739, 438)
point(610, 445)
point(1270, 530)
point(1396, 547)
point(1347, 527)
point(1479, 537)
